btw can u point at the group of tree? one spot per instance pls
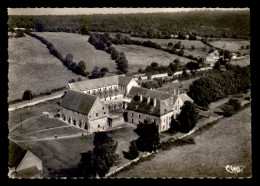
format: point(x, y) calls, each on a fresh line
point(79, 68)
point(152, 25)
point(104, 42)
point(101, 159)
point(218, 85)
point(231, 107)
point(192, 65)
point(186, 120)
point(98, 73)
point(155, 68)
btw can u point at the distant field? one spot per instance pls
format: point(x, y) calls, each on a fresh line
point(140, 57)
point(181, 86)
point(232, 46)
point(80, 48)
point(226, 143)
point(241, 62)
point(32, 67)
point(195, 53)
point(164, 42)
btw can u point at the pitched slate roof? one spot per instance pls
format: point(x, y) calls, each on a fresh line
point(124, 81)
point(149, 93)
point(78, 101)
point(94, 83)
point(164, 101)
point(108, 93)
point(184, 97)
point(100, 82)
point(16, 154)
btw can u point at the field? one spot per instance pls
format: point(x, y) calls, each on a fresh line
point(181, 86)
point(232, 46)
point(226, 143)
point(140, 57)
point(241, 62)
point(164, 42)
point(23, 114)
point(80, 48)
point(32, 67)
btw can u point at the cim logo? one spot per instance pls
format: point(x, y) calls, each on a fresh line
point(234, 169)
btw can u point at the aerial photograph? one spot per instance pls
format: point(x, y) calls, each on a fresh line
point(129, 93)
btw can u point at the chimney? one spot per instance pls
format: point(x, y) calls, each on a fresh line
point(154, 102)
point(141, 98)
point(148, 99)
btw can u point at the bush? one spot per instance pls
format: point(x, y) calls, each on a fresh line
point(27, 95)
point(133, 151)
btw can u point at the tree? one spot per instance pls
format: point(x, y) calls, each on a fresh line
point(95, 73)
point(217, 66)
point(103, 71)
point(192, 66)
point(177, 45)
point(188, 117)
point(148, 139)
point(192, 47)
point(27, 95)
point(132, 152)
point(177, 61)
point(68, 59)
point(175, 125)
point(122, 63)
point(181, 52)
point(86, 166)
point(104, 152)
point(154, 65)
point(173, 67)
point(82, 67)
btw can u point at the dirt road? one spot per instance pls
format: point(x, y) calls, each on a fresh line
point(35, 101)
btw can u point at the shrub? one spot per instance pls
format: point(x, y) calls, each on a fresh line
point(27, 95)
point(133, 151)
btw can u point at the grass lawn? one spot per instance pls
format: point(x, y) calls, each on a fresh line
point(80, 48)
point(140, 57)
point(181, 85)
point(35, 110)
point(35, 124)
point(32, 67)
point(226, 143)
point(59, 154)
point(232, 46)
point(241, 62)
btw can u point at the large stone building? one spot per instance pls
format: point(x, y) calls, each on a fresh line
point(111, 89)
point(157, 106)
point(84, 111)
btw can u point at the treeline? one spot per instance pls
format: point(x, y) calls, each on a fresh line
point(103, 42)
point(218, 24)
point(219, 85)
point(68, 61)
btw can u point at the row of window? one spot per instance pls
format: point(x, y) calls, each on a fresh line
point(104, 88)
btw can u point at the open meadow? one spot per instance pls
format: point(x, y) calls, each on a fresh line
point(225, 143)
point(80, 48)
point(241, 62)
point(32, 67)
point(164, 42)
point(231, 45)
point(140, 57)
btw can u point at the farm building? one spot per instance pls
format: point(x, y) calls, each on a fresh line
point(212, 58)
point(110, 89)
point(23, 163)
point(158, 106)
point(85, 111)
